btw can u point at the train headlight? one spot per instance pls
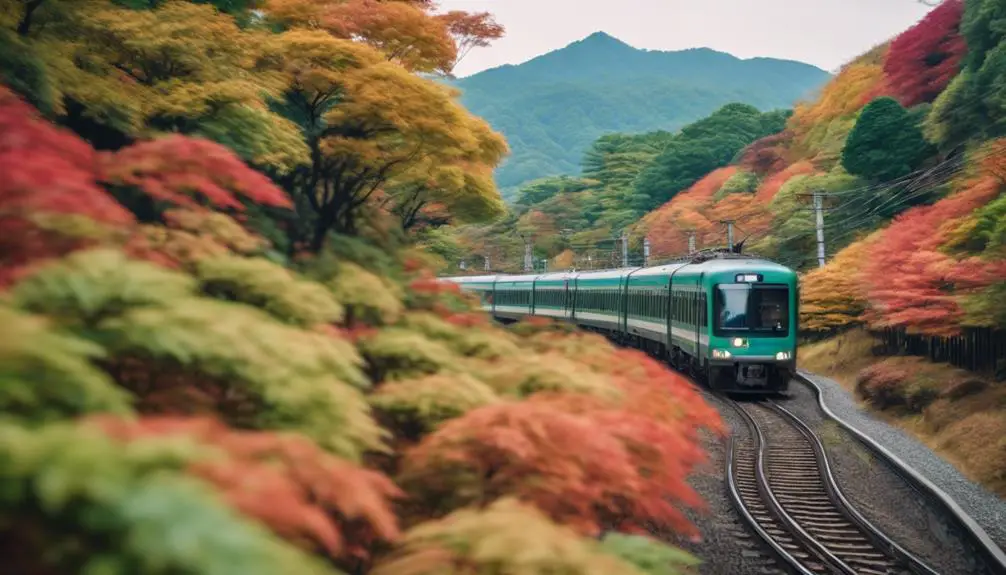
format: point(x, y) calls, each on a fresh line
point(721, 354)
point(783, 356)
point(739, 342)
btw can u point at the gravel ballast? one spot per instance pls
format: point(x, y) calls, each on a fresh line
point(984, 507)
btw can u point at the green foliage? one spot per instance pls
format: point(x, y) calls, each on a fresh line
point(366, 297)
point(886, 144)
point(469, 342)
point(299, 379)
point(88, 287)
point(646, 554)
point(46, 375)
point(270, 287)
point(974, 105)
point(700, 148)
point(396, 353)
point(506, 537)
point(743, 182)
point(23, 72)
point(421, 404)
point(525, 375)
point(71, 500)
point(553, 107)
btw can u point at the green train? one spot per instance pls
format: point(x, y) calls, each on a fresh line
point(730, 320)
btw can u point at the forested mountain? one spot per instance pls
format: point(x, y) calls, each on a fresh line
point(551, 108)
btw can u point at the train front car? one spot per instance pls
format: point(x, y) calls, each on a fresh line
point(753, 327)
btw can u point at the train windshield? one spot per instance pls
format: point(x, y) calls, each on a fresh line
point(759, 307)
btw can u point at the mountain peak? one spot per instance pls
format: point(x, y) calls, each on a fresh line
point(602, 36)
point(600, 40)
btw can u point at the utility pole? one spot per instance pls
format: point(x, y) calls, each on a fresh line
point(463, 265)
point(528, 259)
point(625, 249)
point(646, 252)
point(730, 233)
point(819, 216)
point(691, 242)
point(487, 262)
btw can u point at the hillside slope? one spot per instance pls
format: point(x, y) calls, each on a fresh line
point(552, 107)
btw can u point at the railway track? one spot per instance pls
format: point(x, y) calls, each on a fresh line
point(781, 482)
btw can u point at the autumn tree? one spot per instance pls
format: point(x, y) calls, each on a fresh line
point(885, 144)
point(967, 108)
point(923, 59)
point(470, 30)
point(913, 281)
point(833, 298)
point(119, 73)
point(370, 124)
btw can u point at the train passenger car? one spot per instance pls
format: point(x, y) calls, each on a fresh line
point(513, 296)
point(599, 299)
point(482, 286)
point(553, 295)
point(646, 318)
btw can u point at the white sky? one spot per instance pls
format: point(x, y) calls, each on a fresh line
point(826, 33)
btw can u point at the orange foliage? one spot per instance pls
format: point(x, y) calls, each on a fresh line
point(849, 91)
point(750, 215)
point(771, 186)
point(311, 498)
point(568, 455)
point(704, 189)
point(667, 226)
point(910, 281)
point(405, 32)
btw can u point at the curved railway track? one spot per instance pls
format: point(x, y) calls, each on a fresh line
point(781, 482)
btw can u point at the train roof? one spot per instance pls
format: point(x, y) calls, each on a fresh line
point(605, 274)
point(701, 263)
point(470, 279)
point(517, 278)
point(557, 276)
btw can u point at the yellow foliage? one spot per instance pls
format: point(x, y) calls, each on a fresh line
point(182, 64)
point(219, 227)
point(271, 287)
point(396, 353)
point(472, 342)
point(506, 537)
point(366, 297)
point(524, 375)
point(843, 96)
point(427, 401)
point(833, 297)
